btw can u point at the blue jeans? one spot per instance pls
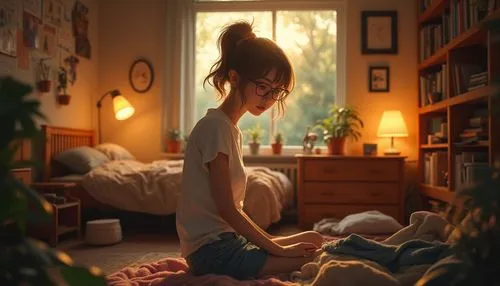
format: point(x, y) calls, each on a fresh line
point(232, 255)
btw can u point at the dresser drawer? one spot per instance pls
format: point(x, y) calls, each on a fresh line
point(351, 170)
point(23, 175)
point(314, 213)
point(351, 192)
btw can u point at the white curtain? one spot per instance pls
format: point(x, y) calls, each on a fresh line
point(178, 107)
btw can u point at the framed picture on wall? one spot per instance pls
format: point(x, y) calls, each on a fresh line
point(379, 32)
point(378, 79)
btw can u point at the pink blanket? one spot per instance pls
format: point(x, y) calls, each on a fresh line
point(173, 271)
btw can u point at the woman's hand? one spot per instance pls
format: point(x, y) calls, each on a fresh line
point(301, 249)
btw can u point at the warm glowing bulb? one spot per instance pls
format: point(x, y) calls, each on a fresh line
point(123, 108)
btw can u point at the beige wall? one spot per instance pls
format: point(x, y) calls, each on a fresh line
point(78, 113)
point(130, 29)
point(403, 75)
point(135, 28)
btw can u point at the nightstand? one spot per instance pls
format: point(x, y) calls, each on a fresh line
point(66, 217)
point(336, 186)
point(22, 174)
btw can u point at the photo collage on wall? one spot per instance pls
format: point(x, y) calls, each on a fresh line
point(49, 29)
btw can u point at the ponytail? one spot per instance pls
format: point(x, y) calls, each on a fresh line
point(232, 37)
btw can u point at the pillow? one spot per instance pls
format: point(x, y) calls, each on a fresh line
point(81, 160)
point(369, 222)
point(115, 151)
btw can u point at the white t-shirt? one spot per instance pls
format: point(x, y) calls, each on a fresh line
point(197, 218)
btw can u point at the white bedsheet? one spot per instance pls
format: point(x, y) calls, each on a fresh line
point(134, 186)
point(154, 188)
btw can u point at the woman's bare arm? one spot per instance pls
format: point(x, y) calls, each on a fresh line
point(223, 197)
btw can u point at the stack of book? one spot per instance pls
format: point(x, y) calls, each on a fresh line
point(436, 168)
point(477, 80)
point(476, 131)
point(470, 168)
point(469, 76)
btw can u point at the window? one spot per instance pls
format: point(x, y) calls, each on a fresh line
point(309, 34)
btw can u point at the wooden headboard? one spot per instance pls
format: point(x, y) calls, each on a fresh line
point(58, 139)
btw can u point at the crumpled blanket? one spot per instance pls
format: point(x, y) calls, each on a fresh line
point(135, 186)
point(348, 270)
point(394, 257)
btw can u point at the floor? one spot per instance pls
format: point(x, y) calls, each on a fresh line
point(142, 244)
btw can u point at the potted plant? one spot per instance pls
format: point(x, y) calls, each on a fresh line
point(174, 141)
point(45, 83)
point(277, 146)
point(24, 260)
point(63, 97)
point(255, 134)
point(341, 123)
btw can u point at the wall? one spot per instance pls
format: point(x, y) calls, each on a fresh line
point(128, 30)
point(137, 28)
point(78, 113)
point(403, 75)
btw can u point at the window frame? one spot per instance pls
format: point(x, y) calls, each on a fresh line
point(274, 6)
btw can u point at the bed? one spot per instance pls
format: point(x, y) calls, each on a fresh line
point(116, 180)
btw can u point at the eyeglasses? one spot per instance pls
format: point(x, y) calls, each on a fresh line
point(263, 90)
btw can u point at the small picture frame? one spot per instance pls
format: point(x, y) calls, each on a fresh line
point(369, 149)
point(379, 32)
point(378, 79)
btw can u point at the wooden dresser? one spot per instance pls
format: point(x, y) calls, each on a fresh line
point(336, 186)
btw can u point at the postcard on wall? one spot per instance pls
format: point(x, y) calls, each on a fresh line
point(8, 28)
point(23, 53)
point(7, 66)
point(49, 41)
point(31, 30)
point(66, 41)
point(53, 12)
point(80, 30)
point(34, 7)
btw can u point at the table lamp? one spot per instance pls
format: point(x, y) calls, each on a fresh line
point(122, 108)
point(392, 125)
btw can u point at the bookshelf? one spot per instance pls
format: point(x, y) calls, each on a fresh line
point(459, 66)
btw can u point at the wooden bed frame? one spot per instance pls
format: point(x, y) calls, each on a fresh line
point(57, 140)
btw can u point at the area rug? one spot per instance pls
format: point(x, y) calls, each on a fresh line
point(174, 271)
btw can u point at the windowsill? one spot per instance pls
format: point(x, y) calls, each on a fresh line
point(265, 154)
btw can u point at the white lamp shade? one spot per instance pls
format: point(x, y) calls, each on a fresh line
point(392, 124)
point(123, 108)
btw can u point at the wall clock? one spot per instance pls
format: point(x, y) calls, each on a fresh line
point(141, 75)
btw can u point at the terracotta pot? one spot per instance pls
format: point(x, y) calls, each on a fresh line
point(277, 147)
point(173, 146)
point(254, 148)
point(336, 146)
point(44, 85)
point(63, 99)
